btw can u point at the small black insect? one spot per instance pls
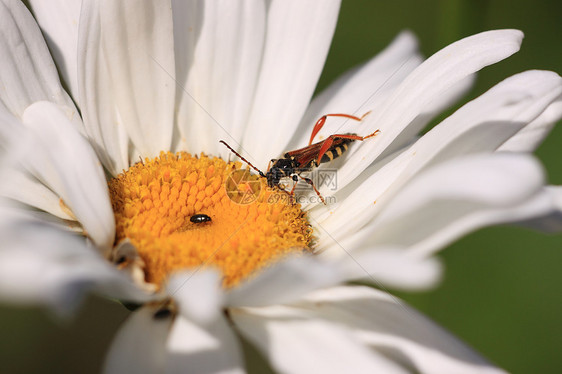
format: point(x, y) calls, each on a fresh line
point(200, 218)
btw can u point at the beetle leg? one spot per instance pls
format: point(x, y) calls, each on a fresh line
point(322, 120)
point(309, 181)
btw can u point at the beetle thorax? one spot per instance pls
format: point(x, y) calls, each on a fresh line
point(281, 168)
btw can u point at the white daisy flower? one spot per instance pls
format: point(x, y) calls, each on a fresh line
point(99, 192)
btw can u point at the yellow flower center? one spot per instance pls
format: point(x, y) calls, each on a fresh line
point(183, 212)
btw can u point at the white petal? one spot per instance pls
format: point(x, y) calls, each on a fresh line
point(58, 20)
point(214, 349)
point(363, 87)
point(140, 344)
point(127, 77)
point(151, 344)
point(28, 190)
point(392, 268)
point(198, 295)
point(453, 198)
point(488, 179)
point(285, 281)
point(532, 135)
point(298, 36)
point(9, 131)
point(36, 277)
point(422, 87)
point(356, 205)
point(19, 184)
point(41, 264)
point(538, 209)
point(440, 103)
point(95, 94)
point(386, 323)
point(28, 73)
point(219, 47)
point(485, 123)
point(296, 342)
point(137, 38)
point(62, 159)
point(543, 213)
point(482, 125)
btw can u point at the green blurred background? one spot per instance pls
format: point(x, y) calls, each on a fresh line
point(503, 286)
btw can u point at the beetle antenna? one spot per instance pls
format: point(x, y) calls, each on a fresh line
point(243, 159)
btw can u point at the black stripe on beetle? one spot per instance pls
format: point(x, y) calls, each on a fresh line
point(335, 152)
point(200, 218)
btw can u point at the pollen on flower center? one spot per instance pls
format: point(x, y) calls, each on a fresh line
point(180, 213)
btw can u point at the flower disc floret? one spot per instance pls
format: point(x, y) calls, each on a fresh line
point(155, 199)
